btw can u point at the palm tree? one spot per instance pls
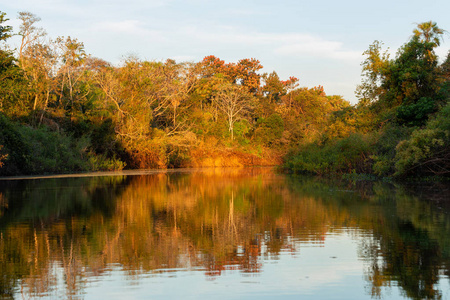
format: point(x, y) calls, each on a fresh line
point(429, 32)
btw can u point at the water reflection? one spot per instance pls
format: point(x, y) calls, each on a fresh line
point(60, 235)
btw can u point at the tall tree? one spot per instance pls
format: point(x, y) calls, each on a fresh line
point(373, 68)
point(233, 101)
point(40, 61)
point(273, 87)
point(245, 73)
point(72, 55)
point(28, 31)
point(404, 88)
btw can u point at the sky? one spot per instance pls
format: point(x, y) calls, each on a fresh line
point(320, 42)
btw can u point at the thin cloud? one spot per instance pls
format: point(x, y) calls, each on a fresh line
point(287, 44)
point(130, 27)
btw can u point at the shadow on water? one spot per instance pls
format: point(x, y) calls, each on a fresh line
point(213, 221)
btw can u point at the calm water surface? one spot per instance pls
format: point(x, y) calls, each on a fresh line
point(222, 233)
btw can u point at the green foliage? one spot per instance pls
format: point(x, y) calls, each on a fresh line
point(38, 151)
point(384, 148)
point(428, 149)
point(241, 130)
point(15, 147)
point(219, 130)
point(53, 152)
point(345, 155)
point(104, 139)
point(404, 89)
point(101, 162)
point(417, 113)
point(177, 157)
point(5, 31)
point(13, 86)
point(270, 130)
point(373, 68)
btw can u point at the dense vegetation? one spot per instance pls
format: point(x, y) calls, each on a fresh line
point(62, 110)
point(401, 125)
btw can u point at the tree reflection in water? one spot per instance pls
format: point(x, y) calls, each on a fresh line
point(212, 220)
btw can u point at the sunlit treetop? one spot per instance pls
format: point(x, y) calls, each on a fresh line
point(5, 30)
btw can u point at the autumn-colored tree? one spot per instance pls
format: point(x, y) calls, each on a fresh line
point(273, 87)
point(29, 33)
point(373, 70)
point(72, 55)
point(245, 74)
point(210, 66)
point(40, 62)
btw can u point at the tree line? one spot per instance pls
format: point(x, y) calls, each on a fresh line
point(401, 125)
point(63, 110)
point(92, 115)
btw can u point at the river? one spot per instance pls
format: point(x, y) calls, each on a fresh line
point(248, 233)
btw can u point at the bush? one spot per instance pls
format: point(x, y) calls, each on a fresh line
point(53, 152)
point(14, 147)
point(384, 149)
point(39, 151)
point(100, 162)
point(427, 151)
point(345, 155)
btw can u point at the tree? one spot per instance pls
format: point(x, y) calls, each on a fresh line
point(429, 32)
point(5, 30)
point(72, 56)
point(233, 101)
point(404, 89)
point(244, 73)
point(40, 64)
point(12, 82)
point(373, 68)
point(273, 87)
point(413, 82)
point(28, 31)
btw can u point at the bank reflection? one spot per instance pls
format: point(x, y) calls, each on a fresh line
point(58, 234)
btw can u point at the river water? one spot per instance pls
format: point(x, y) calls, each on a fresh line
point(222, 234)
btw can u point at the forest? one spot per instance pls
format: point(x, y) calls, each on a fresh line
point(63, 110)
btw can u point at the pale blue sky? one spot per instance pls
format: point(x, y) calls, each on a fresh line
point(319, 42)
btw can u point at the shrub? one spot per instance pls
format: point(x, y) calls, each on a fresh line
point(384, 148)
point(428, 149)
point(100, 162)
point(345, 155)
point(15, 147)
point(53, 152)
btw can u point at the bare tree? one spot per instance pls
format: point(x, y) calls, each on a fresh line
point(233, 101)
